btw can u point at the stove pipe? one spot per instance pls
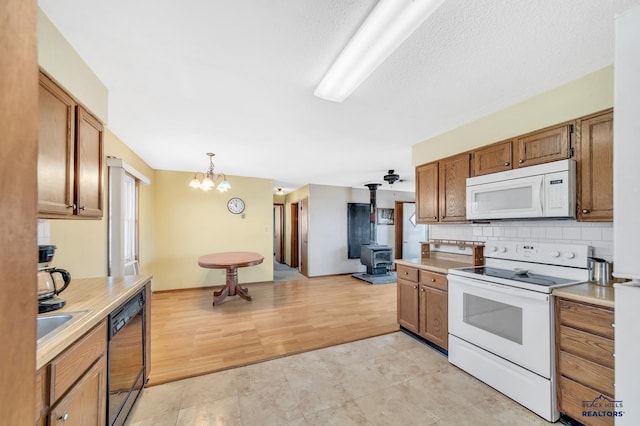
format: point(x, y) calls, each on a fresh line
point(373, 217)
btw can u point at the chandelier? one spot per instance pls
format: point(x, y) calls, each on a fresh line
point(210, 179)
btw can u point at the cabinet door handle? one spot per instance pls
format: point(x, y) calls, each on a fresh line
point(415, 286)
point(83, 208)
point(507, 164)
point(585, 211)
point(422, 289)
point(435, 217)
point(520, 161)
point(71, 206)
point(433, 280)
point(406, 273)
point(442, 217)
point(64, 417)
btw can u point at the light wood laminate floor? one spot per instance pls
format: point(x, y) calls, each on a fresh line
point(190, 338)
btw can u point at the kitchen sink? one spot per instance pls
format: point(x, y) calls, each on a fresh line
point(50, 322)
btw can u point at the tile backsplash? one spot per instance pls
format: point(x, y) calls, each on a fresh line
point(44, 234)
point(597, 235)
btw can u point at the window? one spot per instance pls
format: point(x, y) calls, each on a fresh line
point(124, 182)
point(130, 211)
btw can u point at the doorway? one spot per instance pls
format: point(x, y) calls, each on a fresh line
point(293, 243)
point(278, 233)
point(303, 221)
point(408, 233)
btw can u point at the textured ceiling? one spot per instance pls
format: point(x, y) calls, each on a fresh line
point(237, 78)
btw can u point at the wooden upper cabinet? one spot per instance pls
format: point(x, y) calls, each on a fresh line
point(595, 167)
point(427, 193)
point(454, 172)
point(70, 156)
point(89, 156)
point(56, 160)
point(543, 146)
point(496, 157)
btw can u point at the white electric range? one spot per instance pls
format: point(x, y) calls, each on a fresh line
point(501, 318)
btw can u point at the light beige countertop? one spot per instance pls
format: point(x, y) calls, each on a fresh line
point(588, 293)
point(438, 263)
point(93, 299)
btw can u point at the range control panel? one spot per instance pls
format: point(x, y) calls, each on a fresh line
point(574, 255)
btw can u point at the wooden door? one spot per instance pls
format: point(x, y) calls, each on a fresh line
point(89, 161)
point(434, 323)
point(544, 146)
point(408, 305)
point(278, 232)
point(454, 172)
point(56, 139)
point(18, 163)
point(294, 243)
point(595, 168)
point(496, 157)
point(303, 219)
point(427, 193)
point(398, 227)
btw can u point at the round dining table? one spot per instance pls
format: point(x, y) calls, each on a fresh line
point(230, 261)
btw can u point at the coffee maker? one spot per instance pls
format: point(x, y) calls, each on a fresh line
point(48, 278)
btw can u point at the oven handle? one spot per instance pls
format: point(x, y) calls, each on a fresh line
point(499, 288)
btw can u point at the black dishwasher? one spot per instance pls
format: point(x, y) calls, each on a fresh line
point(125, 358)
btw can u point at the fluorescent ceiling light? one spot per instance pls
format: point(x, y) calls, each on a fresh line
point(389, 24)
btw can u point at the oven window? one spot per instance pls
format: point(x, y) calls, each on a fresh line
point(494, 317)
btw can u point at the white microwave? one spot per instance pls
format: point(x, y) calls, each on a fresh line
point(542, 191)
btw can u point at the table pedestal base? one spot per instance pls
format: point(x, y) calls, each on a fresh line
point(232, 288)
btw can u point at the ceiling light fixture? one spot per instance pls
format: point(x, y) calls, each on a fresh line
point(389, 24)
point(210, 179)
point(279, 192)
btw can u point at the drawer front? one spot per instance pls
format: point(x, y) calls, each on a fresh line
point(587, 373)
point(67, 368)
point(434, 279)
point(572, 398)
point(588, 346)
point(407, 273)
point(589, 318)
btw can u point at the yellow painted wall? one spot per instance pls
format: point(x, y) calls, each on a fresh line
point(292, 197)
point(82, 244)
point(190, 223)
point(58, 59)
point(591, 93)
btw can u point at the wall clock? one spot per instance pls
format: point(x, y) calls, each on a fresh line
point(235, 205)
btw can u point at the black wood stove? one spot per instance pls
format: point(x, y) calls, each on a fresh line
point(377, 258)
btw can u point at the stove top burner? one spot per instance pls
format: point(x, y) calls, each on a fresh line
point(520, 275)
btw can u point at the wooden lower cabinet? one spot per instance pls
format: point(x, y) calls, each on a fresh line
point(72, 388)
point(585, 360)
point(85, 403)
point(422, 304)
point(408, 307)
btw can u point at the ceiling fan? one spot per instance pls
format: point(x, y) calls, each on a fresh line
point(392, 177)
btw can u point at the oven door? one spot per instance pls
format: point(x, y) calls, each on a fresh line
point(512, 323)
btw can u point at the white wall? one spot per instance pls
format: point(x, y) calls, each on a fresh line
point(597, 235)
point(328, 226)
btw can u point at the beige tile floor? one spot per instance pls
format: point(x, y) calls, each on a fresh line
point(386, 380)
